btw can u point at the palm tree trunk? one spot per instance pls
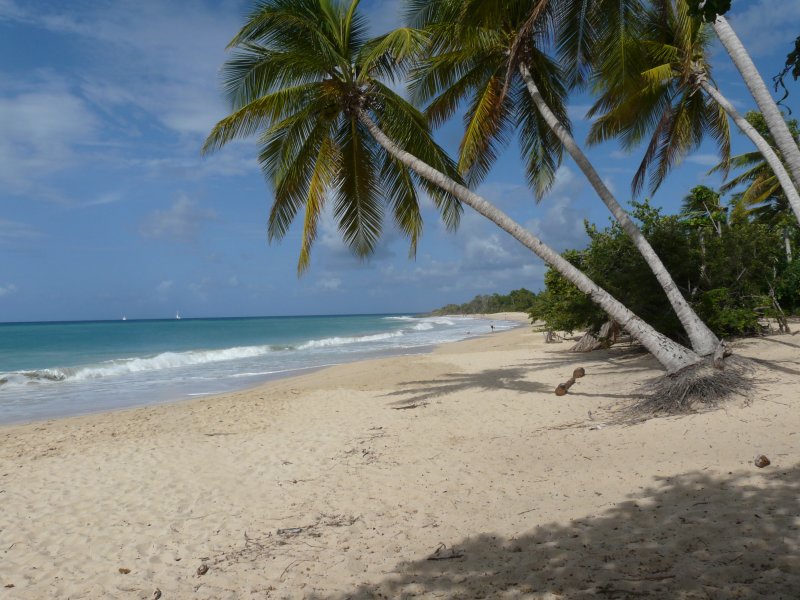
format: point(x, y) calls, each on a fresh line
point(670, 354)
point(787, 244)
point(763, 147)
point(702, 338)
point(758, 89)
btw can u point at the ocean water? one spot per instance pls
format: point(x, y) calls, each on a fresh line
point(58, 369)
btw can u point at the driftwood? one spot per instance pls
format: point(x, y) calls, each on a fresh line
point(563, 388)
point(587, 343)
point(607, 336)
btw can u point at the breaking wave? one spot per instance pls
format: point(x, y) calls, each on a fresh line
point(123, 366)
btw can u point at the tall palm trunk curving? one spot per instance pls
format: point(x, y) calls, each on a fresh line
point(487, 56)
point(671, 355)
point(760, 92)
point(702, 338)
point(305, 78)
point(763, 146)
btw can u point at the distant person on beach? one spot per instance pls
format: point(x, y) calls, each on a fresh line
point(492, 326)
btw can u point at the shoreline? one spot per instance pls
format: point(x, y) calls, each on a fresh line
point(265, 379)
point(343, 482)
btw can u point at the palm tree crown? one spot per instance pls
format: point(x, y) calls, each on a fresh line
point(660, 97)
point(761, 194)
point(300, 72)
point(473, 49)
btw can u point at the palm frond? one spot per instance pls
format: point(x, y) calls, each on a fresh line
point(259, 114)
point(357, 208)
point(487, 123)
point(386, 56)
point(325, 168)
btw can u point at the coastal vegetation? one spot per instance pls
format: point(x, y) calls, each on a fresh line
point(520, 300)
point(305, 77)
point(732, 265)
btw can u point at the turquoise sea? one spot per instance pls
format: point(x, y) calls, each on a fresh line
point(57, 369)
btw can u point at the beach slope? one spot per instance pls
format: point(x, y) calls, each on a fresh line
point(455, 474)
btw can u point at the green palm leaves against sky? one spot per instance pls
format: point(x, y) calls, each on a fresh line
point(658, 97)
point(471, 57)
point(762, 196)
point(299, 71)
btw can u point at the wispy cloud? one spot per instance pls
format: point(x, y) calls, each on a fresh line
point(8, 288)
point(766, 26)
point(707, 160)
point(43, 123)
point(180, 222)
point(329, 284)
point(13, 233)
point(185, 40)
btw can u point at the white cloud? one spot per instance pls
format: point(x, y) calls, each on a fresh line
point(162, 57)
point(10, 11)
point(42, 128)
point(706, 160)
point(164, 286)
point(13, 233)
point(329, 284)
point(181, 221)
point(9, 288)
point(561, 225)
point(766, 26)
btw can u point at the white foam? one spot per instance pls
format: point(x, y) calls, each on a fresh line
point(342, 341)
point(123, 366)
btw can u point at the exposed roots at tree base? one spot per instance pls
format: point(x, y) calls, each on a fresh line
point(698, 387)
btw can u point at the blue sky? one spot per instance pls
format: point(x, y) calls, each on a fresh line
point(107, 209)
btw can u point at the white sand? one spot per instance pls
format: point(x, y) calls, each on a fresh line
point(538, 500)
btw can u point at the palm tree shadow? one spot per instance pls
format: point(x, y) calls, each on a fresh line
point(508, 378)
point(621, 361)
point(694, 535)
point(777, 341)
point(775, 365)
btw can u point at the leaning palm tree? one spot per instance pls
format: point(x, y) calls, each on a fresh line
point(670, 97)
point(711, 12)
point(489, 53)
point(305, 78)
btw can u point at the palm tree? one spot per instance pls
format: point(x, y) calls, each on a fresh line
point(701, 208)
point(484, 52)
point(304, 77)
point(661, 98)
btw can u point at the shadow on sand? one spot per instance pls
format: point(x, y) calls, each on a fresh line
point(689, 536)
point(621, 361)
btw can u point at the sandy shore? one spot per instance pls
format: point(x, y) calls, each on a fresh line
point(343, 483)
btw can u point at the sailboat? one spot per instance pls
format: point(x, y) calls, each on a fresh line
point(178, 315)
point(124, 318)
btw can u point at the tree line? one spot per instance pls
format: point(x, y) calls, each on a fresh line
point(520, 300)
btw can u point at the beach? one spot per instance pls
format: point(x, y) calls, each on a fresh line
point(453, 474)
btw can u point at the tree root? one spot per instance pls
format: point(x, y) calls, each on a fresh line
point(696, 387)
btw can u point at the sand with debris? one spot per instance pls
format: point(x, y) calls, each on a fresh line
point(347, 482)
